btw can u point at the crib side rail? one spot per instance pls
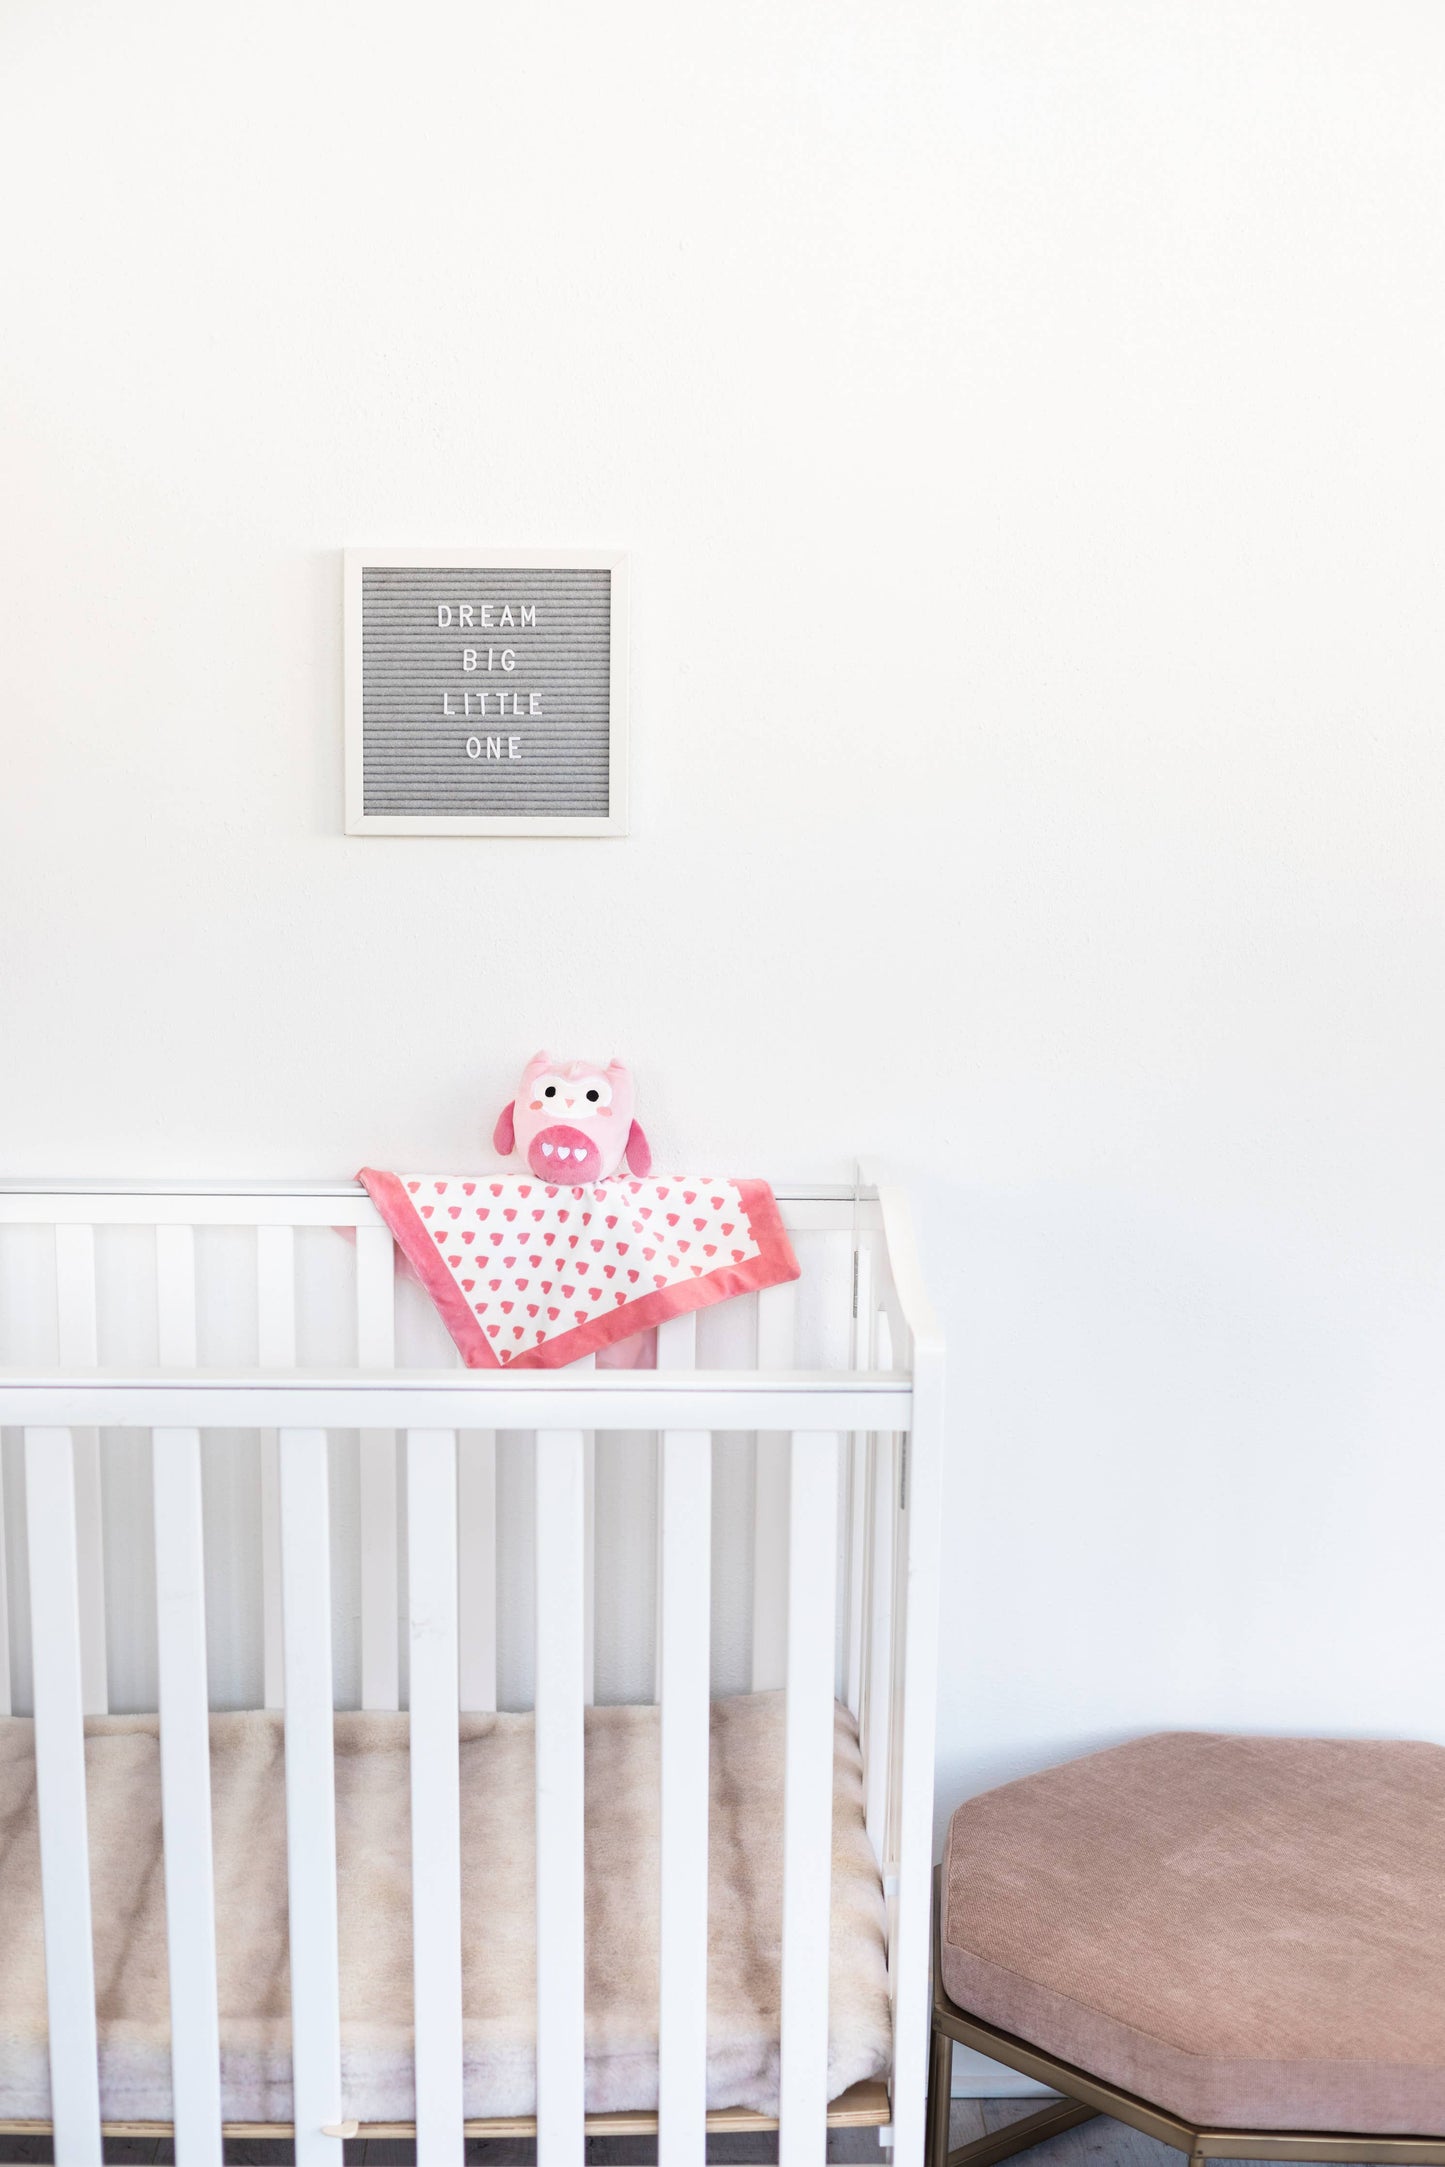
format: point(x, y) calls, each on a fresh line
point(814, 1461)
point(267, 1283)
point(853, 1448)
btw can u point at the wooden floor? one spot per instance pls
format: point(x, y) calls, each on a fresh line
point(1095, 2144)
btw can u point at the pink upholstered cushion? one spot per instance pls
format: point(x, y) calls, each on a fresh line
point(1247, 1931)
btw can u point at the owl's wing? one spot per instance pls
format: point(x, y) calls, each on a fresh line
point(504, 1135)
point(639, 1152)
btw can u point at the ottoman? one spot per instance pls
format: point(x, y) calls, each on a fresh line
point(1235, 1944)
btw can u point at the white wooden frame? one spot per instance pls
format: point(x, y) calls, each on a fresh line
point(857, 1621)
point(614, 822)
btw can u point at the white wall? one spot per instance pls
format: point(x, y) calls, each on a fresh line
point(1026, 421)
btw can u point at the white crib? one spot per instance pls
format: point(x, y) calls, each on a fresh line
point(318, 1463)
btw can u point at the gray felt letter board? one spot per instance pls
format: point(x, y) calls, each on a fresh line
point(486, 694)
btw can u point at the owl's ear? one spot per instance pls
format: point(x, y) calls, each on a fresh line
point(639, 1152)
point(504, 1135)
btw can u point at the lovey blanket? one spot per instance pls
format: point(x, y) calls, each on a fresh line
point(528, 1274)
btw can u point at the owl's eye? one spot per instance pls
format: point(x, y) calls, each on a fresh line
point(549, 1090)
point(593, 1096)
point(595, 1091)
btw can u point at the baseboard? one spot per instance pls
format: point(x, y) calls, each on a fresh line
point(975, 2077)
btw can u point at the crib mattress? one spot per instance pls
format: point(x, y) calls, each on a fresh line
point(498, 1884)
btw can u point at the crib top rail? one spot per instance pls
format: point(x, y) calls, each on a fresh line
point(695, 1400)
point(870, 1221)
point(806, 1207)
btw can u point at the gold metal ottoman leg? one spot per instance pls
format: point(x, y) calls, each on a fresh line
point(940, 2091)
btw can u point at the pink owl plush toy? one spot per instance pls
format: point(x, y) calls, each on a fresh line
point(572, 1121)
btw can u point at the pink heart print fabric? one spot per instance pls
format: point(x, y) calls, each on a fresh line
point(528, 1274)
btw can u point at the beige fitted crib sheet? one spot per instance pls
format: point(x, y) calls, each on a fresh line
point(373, 1826)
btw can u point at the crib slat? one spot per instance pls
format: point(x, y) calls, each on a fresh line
point(75, 1295)
point(589, 1548)
point(777, 1336)
point(5, 1699)
point(561, 1506)
point(878, 1709)
point(60, 1781)
point(176, 1297)
point(855, 1450)
point(273, 1691)
point(436, 1848)
point(380, 1653)
point(859, 1496)
point(376, 1349)
point(686, 1513)
point(676, 1349)
point(310, 1792)
point(276, 1297)
point(589, 1566)
point(186, 1792)
point(891, 1550)
point(677, 1342)
point(275, 1349)
point(808, 1798)
point(75, 1304)
point(477, 1591)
